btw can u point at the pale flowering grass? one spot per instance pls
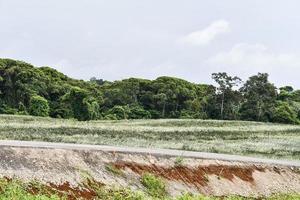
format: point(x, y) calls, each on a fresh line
point(233, 137)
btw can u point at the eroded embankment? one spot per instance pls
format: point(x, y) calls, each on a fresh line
point(68, 170)
point(196, 176)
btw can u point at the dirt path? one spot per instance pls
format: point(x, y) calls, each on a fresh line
point(159, 152)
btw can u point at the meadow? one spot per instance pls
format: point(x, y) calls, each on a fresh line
point(259, 139)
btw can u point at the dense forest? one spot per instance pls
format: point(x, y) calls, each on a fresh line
point(43, 91)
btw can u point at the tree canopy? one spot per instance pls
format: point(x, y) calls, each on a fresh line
point(43, 91)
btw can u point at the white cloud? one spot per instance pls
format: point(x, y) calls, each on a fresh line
point(249, 59)
point(254, 56)
point(205, 36)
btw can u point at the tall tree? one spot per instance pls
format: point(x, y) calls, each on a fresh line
point(260, 98)
point(225, 88)
point(161, 99)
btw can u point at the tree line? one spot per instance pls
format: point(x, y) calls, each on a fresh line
point(43, 91)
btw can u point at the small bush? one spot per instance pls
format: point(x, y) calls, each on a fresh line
point(178, 161)
point(118, 111)
point(4, 109)
point(155, 186)
point(110, 117)
point(114, 170)
point(138, 112)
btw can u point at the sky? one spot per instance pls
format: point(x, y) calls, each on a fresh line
point(190, 39)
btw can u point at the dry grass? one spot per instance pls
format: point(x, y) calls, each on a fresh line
point(233, 137)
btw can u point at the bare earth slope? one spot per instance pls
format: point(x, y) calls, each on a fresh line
point(211, 174)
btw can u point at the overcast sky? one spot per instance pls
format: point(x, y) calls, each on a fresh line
point(190, 39)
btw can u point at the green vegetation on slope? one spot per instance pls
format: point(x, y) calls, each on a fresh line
point(25, 89)
point(232, 137)
point(154, 185)
point(18, 190)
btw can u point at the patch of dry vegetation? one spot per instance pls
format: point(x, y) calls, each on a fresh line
point(232, 137)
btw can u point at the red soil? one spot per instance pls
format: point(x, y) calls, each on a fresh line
point(197, 176)
point(192, 176)
point(86, 191)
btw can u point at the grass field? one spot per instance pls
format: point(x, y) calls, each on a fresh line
point(232, 137)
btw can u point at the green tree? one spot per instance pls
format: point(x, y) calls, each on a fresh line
point(82, 105)
point(39, 106)
point(97, 81)
point(92, 108)
point(286, 93)
point(259, 98)
point(295, 96)
point(133, 98)
point(161, 100)
point(225, 91)
point(170, 95)
point(284, 113)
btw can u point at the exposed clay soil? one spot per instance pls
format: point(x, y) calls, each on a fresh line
point(66, 171)
point(86, 190)
point(197, 176)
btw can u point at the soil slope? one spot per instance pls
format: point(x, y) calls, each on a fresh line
point(64, 166)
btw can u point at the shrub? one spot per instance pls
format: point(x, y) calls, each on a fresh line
point(111, 168)
point(138, 112)
point(110, 117)
point(22, 109)
point(155, 186)
point(119, 112)
point(178, 161)
point(154, 114)
point(39, 106)
point(4, 109)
